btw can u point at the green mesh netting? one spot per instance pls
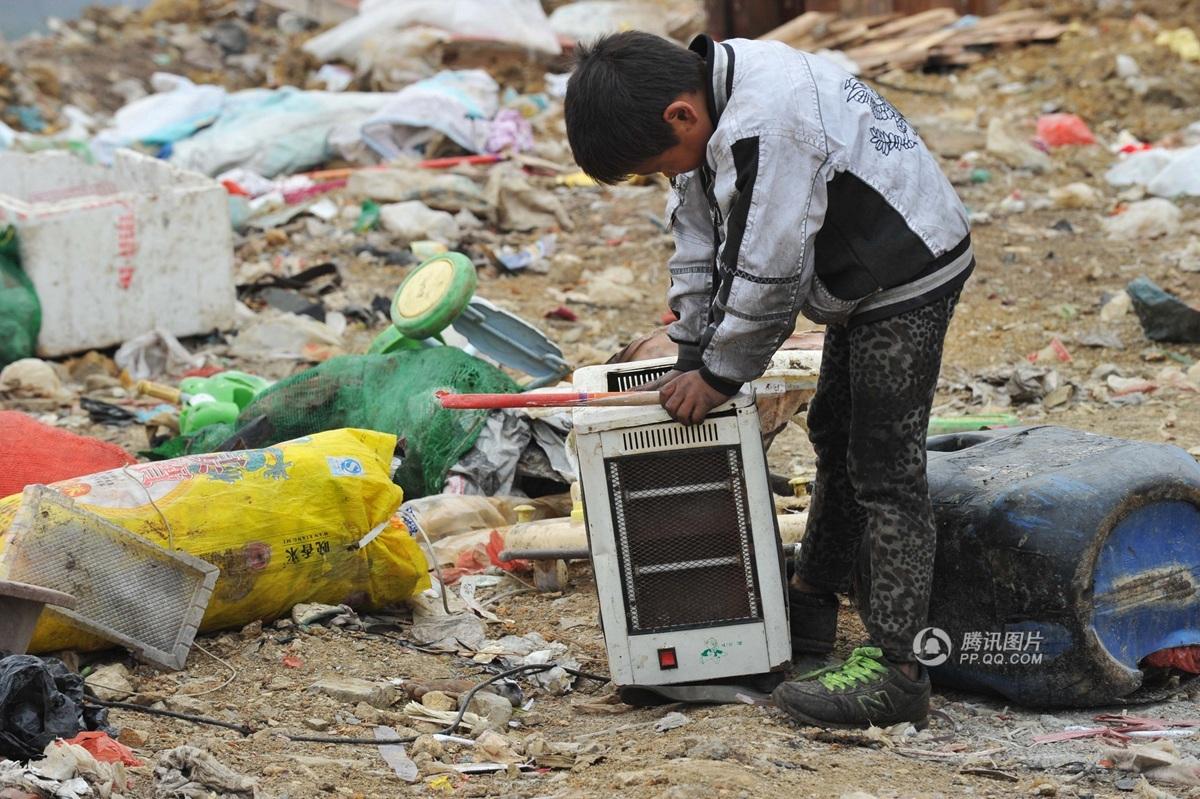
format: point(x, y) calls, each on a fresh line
point(388, 393)
point(20, 311)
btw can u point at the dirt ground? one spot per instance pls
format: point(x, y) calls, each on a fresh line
point(1043, 273)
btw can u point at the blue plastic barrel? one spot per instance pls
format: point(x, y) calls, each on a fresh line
point(1063, 559)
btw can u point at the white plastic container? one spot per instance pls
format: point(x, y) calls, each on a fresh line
point(115, 252)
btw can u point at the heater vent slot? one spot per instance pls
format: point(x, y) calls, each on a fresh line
point(628, 380)
point(683, 535)
point(668, 436)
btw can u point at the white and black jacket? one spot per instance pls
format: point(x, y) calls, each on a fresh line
point(817, 197)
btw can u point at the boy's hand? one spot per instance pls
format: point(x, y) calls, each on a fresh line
point(688, 398)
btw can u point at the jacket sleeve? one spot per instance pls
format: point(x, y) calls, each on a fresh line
point(778, 204)
point(691, 267)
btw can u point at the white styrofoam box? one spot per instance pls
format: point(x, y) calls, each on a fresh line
point(115, 252)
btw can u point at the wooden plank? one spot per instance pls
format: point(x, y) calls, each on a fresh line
point(1009, 18)
point(884, 39)
point(841, 40)
point(937, 17)
point(1012, 34)
point(918, 52)
point(873, 21)
point(903, 53)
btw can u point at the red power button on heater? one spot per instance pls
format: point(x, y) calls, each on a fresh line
point(667, 659)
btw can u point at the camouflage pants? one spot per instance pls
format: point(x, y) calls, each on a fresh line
point(868, 425)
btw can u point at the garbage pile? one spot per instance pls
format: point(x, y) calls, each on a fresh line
point(246, 244)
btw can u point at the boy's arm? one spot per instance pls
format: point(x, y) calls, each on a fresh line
point(766, 260)
point(691, 267)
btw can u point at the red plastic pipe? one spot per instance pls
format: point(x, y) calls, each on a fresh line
point(547, 399)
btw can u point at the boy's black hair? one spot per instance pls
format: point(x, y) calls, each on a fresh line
point(616, 97)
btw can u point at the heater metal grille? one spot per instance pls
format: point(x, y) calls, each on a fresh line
point(683, 532)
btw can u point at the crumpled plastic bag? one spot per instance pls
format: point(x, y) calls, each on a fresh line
point(42, 700)
point(509, 131)
point(187, 772)
point(155, 353)
point(1148, 219)
point(512, 447)
point(533, 649)
point(105, 748)
point(1062, 130)
point(66, 771)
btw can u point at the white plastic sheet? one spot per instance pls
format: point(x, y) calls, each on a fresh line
point(457, 103)
point(274, 132)
point(177, 110)
point(1164, 173)
point(521, 23)
point(587, 20)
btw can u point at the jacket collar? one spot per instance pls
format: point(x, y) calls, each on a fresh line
point(719, 58)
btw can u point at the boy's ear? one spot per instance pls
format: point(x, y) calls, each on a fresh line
point(680, 113)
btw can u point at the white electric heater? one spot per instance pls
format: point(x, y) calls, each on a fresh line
point(681, 527)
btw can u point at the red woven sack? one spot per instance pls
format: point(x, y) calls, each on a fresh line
point(31, 452)
point(1184, 658)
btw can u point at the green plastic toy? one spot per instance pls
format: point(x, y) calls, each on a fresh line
point(217, 399)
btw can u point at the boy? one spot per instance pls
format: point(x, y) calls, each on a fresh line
point(798, 189)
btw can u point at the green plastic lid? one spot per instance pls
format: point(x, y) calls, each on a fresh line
point(433, 295)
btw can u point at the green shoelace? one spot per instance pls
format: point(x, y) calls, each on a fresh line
point(862, 666)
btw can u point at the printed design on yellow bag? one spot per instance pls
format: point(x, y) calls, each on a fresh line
point(344, 467)
point(304, 547)
point(117, 489)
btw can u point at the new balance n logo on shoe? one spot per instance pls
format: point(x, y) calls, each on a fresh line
point(876, 705)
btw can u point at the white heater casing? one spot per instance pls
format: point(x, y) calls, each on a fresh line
point(681, 527)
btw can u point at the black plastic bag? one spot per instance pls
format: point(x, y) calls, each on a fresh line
point(41, 700)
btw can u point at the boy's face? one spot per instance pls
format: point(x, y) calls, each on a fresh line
point(688, 118)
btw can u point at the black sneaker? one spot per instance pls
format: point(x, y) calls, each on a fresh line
point(813, 619)
point(864, 691)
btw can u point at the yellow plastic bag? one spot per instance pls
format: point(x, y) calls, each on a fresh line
point(304, 521)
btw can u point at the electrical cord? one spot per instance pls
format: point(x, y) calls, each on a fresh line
point(171, 714)
point(531, 668)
